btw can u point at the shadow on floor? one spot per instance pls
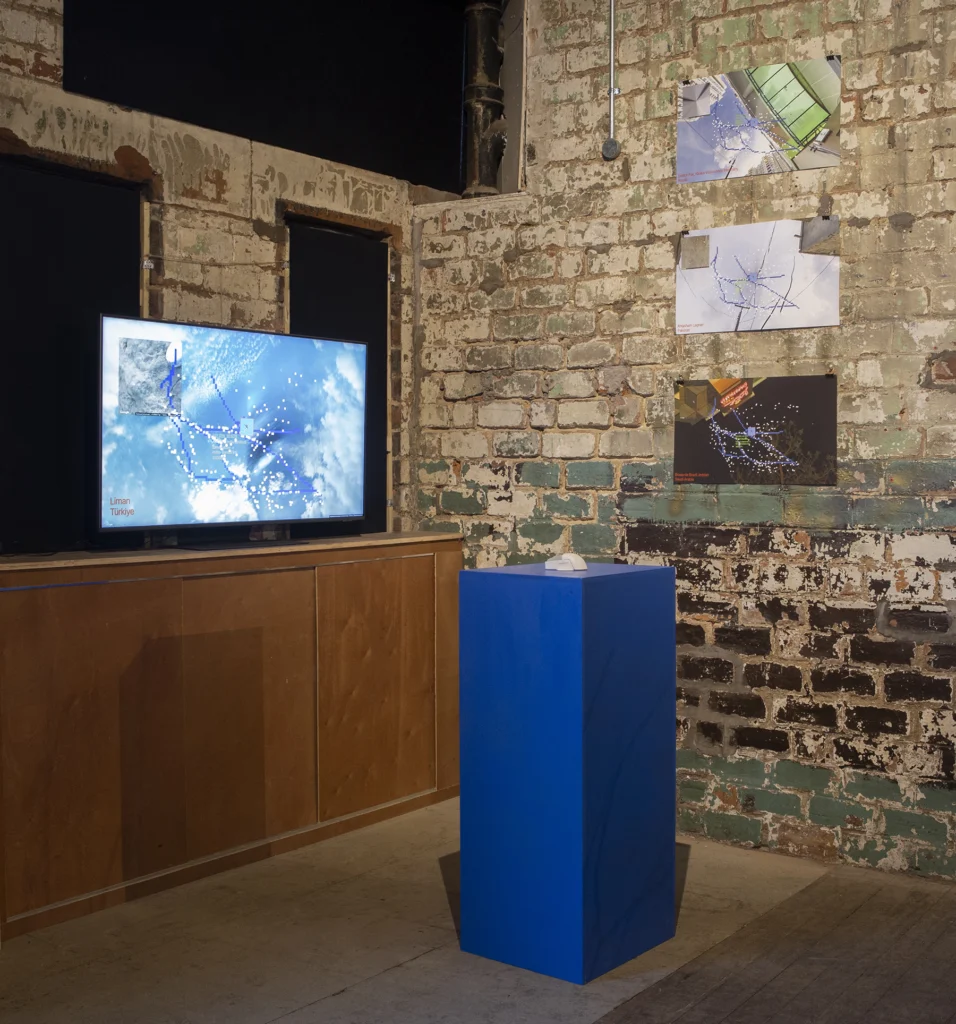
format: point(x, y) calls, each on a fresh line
point(450, 866)
point(681, 862)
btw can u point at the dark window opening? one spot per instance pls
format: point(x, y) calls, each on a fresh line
point(70, 252)
point(338, 289)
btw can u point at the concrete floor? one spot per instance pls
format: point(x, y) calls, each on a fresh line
point(357, 929)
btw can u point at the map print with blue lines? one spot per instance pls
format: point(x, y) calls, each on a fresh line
point(756, 431)
point(202, 425)
point(776, 275)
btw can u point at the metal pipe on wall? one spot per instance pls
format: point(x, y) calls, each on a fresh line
point(484, 98)
point(611, 147)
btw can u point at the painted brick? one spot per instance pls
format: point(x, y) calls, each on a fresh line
point(539, 474)
point(914, 826)
point(825, 810)
point(793, 775)
point(594, 474)
point(771, 802)
point(873, 787)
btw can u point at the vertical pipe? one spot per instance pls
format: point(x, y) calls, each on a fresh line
point(611, 148)
point(484, 98)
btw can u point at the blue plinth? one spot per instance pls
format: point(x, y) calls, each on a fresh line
point(568, 704)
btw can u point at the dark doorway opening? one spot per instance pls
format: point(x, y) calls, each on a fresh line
point(338, 289)
point(70, 251)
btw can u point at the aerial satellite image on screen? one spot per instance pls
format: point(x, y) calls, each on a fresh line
point(212, 426)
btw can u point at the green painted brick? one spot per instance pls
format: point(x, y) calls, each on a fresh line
point(890, 513)
point(870, 852)
point(692, 791)
point(426, 501)
point(770, 800)
point(539, 474)
point(912, 476)
point(644, 476)
point(461, 504)
point(824, 810)
point(590, 474)
point(689, 821)
point(607, 508)
point(873, 787)
point(745, 769)
point(438, 526)
point(593, 539)
point(571, 506)
point(541, 531)
point(938, 798)
point(693, 761)
point(914, 826)
point(734, 828)
point(791, 775)
point(934, 862)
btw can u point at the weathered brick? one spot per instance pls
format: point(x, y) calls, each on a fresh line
point(793, 775)
point(744, 639)
point(942, 656)
point(825, 810)
point(845, 618)
point(622, 443)
point(690, 635)
point(917, 686)
point(876, 721)
point(570, 384)
point(743, 705)
point(777, 677)
point(512, 444)
point(584, 413)
point(714, 669)
point(567, 445)
point(591, 474)
point(568, 506)
point(762, 739)
point(914, 826)
point(842, 680)
point(806, 712)
point(538, 474)
point(771, 802)
point(538, 357)
point(881, 652)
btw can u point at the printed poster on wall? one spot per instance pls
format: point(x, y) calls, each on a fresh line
point(757, 430)
point(777, 275)
point(762, 120)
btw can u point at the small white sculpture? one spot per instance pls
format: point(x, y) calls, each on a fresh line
point(566, 563)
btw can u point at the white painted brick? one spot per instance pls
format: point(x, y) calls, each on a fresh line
point(583, 413)
point(501, 414)
point(567, 446)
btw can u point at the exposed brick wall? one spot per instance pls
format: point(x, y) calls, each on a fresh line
point(817, 645)
point(216, 203)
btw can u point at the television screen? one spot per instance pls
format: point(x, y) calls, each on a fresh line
point(205, 425)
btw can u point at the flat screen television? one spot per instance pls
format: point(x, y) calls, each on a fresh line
point(204, 426)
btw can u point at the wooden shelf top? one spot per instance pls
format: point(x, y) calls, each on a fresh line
point(91, 559)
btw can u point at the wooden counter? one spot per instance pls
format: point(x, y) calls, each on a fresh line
point(167, 714)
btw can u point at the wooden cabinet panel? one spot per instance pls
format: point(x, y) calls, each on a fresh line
point(376, 682)
point(90, 677)
point(249, 670)
point(447, 566)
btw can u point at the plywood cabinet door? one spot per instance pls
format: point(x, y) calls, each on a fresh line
point(92, 731)
point(376, 629)
point(249, 670)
